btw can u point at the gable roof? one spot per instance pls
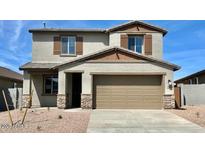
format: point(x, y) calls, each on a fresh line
point(67, 30)
point(7, 73)
point(106, 50)
point(191, 76)
point(159, 29)
point(97, 30)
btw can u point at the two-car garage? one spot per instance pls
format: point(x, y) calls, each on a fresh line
point(128, 91)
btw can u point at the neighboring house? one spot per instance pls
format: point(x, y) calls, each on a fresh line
point(120, 68)
point(191, 89)
point(195, 78)
point(8, 79)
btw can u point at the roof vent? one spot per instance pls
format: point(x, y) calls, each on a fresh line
point(44, 24)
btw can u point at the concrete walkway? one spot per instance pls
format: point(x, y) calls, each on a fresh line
point(139, 121)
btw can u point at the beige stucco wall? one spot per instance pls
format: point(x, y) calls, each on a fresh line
point(26, 82)
point(69, 88)
point(34, 83)
point(38, 98)
point(65, 81)
point(116, 67)
point(42, 46)
point(157, 43)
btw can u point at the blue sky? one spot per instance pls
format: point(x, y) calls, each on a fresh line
point(184, 44)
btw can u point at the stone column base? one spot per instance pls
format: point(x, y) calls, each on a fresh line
point(169, 102)
point(26, 101)
point(86, 101)
point(61, 101)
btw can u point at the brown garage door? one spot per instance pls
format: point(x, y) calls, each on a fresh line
point(127, 91)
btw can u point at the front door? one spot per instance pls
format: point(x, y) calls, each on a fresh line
point(76, 89)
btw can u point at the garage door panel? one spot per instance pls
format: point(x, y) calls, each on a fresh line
point(128, 92)
point(126, 101)
point(128, 89)
point(135, 94)
point(133, 80)
point(117, 87)
point(122, 106)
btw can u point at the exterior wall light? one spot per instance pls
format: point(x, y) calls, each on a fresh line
point(170, 84)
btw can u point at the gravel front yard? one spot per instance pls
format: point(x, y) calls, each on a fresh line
point(42, 120)
point(195, 114)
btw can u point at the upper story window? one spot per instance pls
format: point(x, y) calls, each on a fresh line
point(68, 45)
point(135, 43)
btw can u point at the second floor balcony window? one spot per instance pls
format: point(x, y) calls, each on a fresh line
point(135, 43)
point(68, 45)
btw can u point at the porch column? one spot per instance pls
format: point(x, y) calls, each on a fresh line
point(61, 97)
point(26, 98)
point(86, 95)
point(168, 98)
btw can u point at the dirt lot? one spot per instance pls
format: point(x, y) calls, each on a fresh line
point(195, 114)
point(46, 121)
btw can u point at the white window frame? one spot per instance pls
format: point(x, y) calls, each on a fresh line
point(190, 81)
point(68, 45)
point(135, 36)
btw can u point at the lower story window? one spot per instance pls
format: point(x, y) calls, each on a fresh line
point(51, 84)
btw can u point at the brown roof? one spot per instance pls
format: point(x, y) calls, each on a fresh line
point(140, 23)
point(31, 65)
point(191, 76)
point(66, 30)
point(98, 30)
point(7, 73)
point(151, 59)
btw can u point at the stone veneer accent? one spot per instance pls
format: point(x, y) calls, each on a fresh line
point(26, 102)
point(61, 101)
point(86, 101)
point(169, 101)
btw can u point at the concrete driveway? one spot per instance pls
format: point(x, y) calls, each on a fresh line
point(139, 121)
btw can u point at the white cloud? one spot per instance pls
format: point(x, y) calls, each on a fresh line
point(200, 34)
point(180, 55)
point(13, 44)
point(18, 30)
point(189, 60)
point(11, 66)
point(4, 64)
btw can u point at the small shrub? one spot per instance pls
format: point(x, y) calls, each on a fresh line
point(197, 114)
point(60, 117)
point(38, 128)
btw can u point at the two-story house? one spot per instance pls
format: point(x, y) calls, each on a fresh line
point(119, 68)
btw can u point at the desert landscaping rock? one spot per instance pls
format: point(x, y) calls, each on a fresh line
point(195, 114)
point(46, 121)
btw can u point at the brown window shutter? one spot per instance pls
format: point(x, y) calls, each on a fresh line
point(79, 45)
point(124, 41)
point(148, 44)
point(56, 45)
